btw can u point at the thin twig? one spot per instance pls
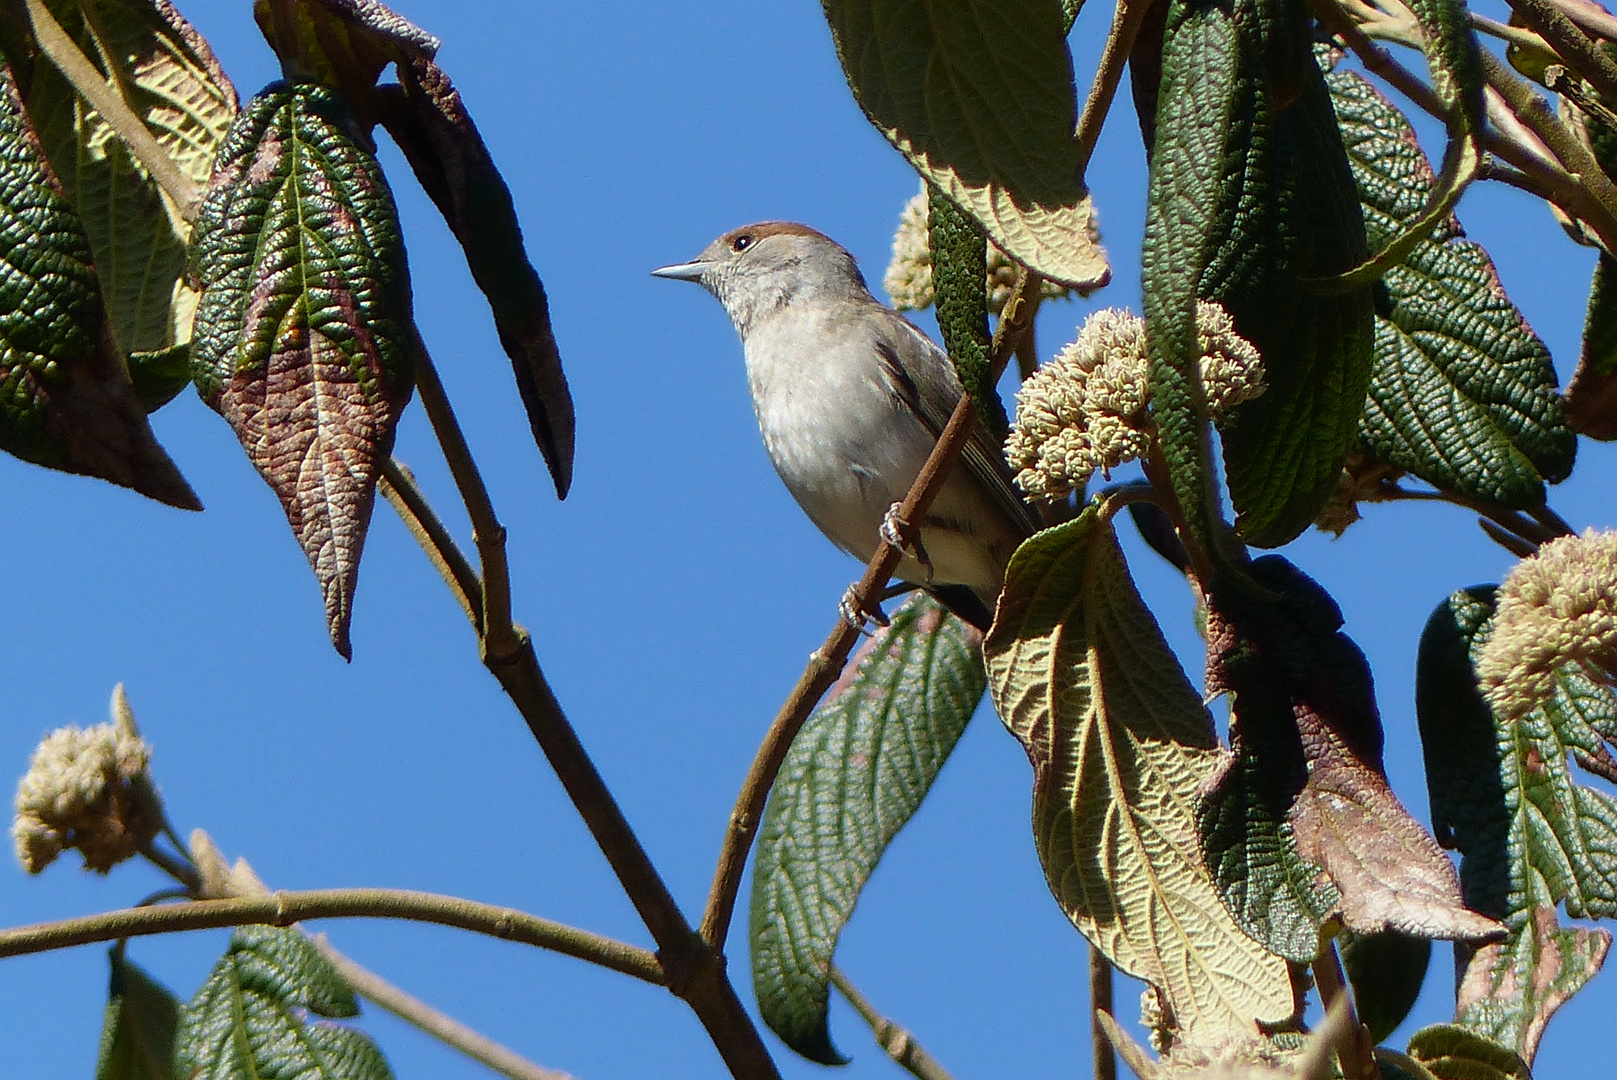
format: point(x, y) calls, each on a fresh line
point(1531, 108)
point(499, 636)
point(899, 1044)
point(81, 74)
point(1103, 1057)
point(178, 869)
point(440, 1025)
point(1114, 55)
point(692, 970)
point(1353, 1047)
point(826, 663)
point(1513, 35)
point(401, 491)
point(1594, 19)
point(286, 908)
point(1508, 540)
point(1576, 50)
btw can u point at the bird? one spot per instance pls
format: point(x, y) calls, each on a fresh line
point(850, 398)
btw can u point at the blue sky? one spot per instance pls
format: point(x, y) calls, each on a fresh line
point(673, 597)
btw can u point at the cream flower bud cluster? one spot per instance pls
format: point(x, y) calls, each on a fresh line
point(908, 280)
point(1557, 608)
point(88, 789)
point(1086, 409)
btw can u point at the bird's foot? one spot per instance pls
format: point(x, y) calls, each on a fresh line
point(855, 616)
point(892, 526)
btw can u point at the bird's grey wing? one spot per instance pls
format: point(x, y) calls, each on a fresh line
point(923, 375)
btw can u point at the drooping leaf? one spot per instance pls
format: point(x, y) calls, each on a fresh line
point(979, 97)
point(1386, 971)
point(428, 120)
point(959, 265)
point(1463, 393)
point(65, 397)
point(265, 1012)
point(1451, 1052)
point(1251, 204)
point(1591, 396)
point(1302, 824)
point(855, 775)
point(137, 1036)
point(1120, 744)
point(1530, 836)
point(303, 333)
point(165, 72)
point(343, 44)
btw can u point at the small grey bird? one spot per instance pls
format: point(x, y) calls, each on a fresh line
point(850, 399)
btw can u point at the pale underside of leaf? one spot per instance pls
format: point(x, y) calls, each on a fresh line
point(1120, 744)
point(854, 777)
point(163, 70)
point(979, 98)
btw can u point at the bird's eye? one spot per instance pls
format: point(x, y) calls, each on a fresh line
point(742, 242)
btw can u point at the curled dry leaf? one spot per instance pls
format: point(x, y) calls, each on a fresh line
point(303, 335)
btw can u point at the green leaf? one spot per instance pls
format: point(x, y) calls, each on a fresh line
point(959, 252)
point(1069, 12)
point(1463, 393)
point(65, 397)
point(303, 333)
point(1451, 1052)
point(1386, 970)
point(1530, 837)
point(428, 120)
point(1302, 824)
point(1120, 745)
point(160, 376)
point(164, 71)
point(855, 775)
point(137, 1036)
point(1251, 204)
point(1591, 396)
point(252, 1016)
point(979, 97)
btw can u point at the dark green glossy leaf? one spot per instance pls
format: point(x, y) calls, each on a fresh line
point(428, 120)
point(855, 775)
point(1451, 1052)
point(978, 95)
point(1252, 201)
point(1302, 825)
point(1530, 837)
point(1463, 393)
point(959, 266)
point(1386, 970)
point(65, 397)
point(265, 1013)
point(160, 376)
point(1069, 12)
point(1121, 746)
point(137, 1036)
point(303, 334)
point(167, 75)
point(1591, 396)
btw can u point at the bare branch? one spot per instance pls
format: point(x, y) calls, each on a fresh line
point(286, 908)
point(1104, 1058)
point(1114, 55)
point(401, 491)
point(899, 1044)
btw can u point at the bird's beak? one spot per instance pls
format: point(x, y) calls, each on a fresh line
point(691, 271)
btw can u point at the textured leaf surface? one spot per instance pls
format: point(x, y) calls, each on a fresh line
point(137, 1036)
point(428, 120)
point(1463, 393)
point(1304, 810)
point(1120, 744)
point(1251, 201)
point(65, 397)
point(1591, 396)
point(959, 253)
point(1451, 1052)
point(343, 44)
point(303, 332)
point(164, 71)
point(1530, 836)
point(264, 1013)
point(856, 774)
point(979, 97)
